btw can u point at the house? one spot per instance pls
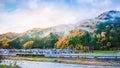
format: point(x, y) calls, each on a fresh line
point(58, 51)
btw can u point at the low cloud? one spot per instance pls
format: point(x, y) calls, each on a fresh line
point(38, 14)
point(20, 21)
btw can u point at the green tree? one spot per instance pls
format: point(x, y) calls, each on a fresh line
point(110, 35)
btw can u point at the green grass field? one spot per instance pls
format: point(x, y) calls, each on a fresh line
point(106, 52)
point(99, 52)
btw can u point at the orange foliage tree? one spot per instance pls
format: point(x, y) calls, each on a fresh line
point(70, 40)
point(28, 44)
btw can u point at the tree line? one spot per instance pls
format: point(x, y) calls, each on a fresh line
point(105, 37)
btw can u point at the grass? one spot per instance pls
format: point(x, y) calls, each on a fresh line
point(4, 66)
point(106, 52)
point(28, 58)
point(99, 52)
point(9, 66)
point(60, 60)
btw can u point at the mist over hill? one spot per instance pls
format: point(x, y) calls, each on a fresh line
point(47, 37)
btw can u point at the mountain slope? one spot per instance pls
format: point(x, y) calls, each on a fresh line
point(87, 25)
point(109, 15)
point(90, 24)
point(38, 34)
point(9, 35)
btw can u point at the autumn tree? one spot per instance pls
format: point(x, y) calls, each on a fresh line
point(62, 43)
point(70, 40)
point(4, 42)
point(109, 35)
point(28, 44)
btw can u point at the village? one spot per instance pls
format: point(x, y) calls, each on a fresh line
point(14, 52)
point(56, 53)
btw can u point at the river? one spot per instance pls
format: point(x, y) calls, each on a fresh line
point(37, 64)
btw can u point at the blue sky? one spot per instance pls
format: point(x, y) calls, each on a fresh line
point(21, 15)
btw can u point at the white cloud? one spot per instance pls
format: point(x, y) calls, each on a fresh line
point(20, 21)
point(96, 3)
point(33, 14)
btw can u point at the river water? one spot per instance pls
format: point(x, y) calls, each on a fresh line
point(37, 64)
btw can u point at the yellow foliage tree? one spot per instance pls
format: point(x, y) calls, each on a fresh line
point(78, 47)
point(108, 44)
point(28, 44)
point(4, 42)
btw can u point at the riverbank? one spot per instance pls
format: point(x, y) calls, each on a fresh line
point(8, 66)
point(62, 60)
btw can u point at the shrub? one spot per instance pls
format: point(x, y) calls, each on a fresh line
point(55, 60)
point(1, 57)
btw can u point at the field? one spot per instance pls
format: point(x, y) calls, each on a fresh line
point(99, 52)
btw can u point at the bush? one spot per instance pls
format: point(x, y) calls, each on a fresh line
point(55, 60)
point(1, 57)
point(95, 57)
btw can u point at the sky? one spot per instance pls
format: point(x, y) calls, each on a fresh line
point(21, 15)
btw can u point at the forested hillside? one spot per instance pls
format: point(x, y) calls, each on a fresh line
point(101, 33)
